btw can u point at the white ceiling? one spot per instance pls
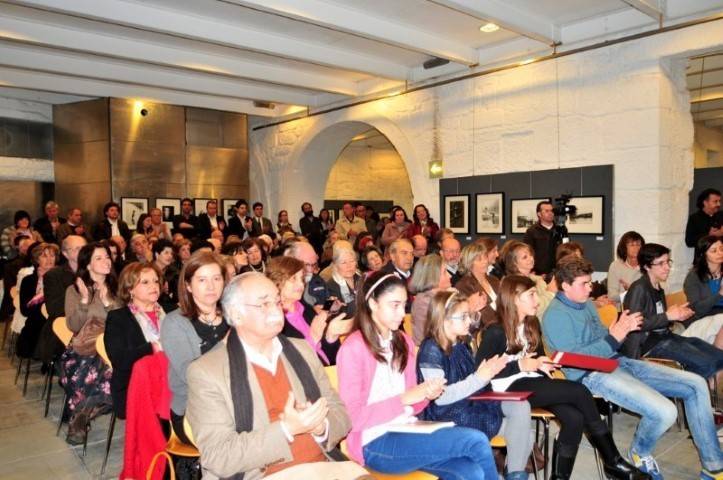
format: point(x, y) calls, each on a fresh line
point(226, 54)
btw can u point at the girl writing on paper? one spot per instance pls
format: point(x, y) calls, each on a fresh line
point(378, 384)
point(528, 369)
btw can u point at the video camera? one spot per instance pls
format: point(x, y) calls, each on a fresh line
point(561, 208)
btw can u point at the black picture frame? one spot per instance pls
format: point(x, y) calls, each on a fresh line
point(457, 213)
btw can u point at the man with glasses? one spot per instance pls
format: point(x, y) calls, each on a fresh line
point(315, 291)
point(450, 250)
point(655, 339)
point(571, 324)
point(261, 403)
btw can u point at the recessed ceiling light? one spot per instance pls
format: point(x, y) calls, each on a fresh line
point(489, 28)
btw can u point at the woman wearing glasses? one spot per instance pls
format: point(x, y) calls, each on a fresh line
point(445, 354)
point(517, 338)
point(655, 339)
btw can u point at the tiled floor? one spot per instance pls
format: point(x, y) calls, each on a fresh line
point(29, 448)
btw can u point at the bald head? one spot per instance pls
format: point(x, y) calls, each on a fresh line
point(70, 247)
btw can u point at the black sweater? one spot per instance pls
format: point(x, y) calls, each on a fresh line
point(644, 298)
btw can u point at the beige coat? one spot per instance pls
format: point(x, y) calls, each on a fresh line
point(210, 414)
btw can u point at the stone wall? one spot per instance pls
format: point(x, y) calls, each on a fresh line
point(624, 105)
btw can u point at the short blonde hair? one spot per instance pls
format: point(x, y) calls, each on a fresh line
point(469, 253)
point(41, 248)
point(130, 276)
point(426, 273)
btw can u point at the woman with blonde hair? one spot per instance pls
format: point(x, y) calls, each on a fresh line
point(520, 260)
point(429, 277)
point(474, 263)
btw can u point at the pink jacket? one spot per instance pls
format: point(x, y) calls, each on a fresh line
point(356, 367)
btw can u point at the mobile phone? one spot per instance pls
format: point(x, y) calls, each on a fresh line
point(328, 304)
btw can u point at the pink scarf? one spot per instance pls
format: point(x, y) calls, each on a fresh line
point(296, 319)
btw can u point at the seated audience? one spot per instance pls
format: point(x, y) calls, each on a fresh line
point(493, 252)
point(624, 270)
point(234, 250)
point(74, 226)
point(445, 354)
point(10, 274)
point(210, 221)
point(419, 247)
point(182, 251)
point(118, 247)
point(397, 228)
point(20, 228)
point(133, 331)
point(520, 260)
point(112, 225)
point(194, 328)
point(144, 227)
point(708, 220)
point(565, 250)
point(186, 223)
point(159, 228)
point(401, 258)
point(517, 338)
point(362, 241)
point(423, 224)
point(349, 225)
point(47, 225)
point(378, 384)
point(315, 292)
point(165, 261)
point(571, 324)
point(256, 253)
point(372, 259)
point(332, 237)
point(302, 321)
point(450, 250)
point(140, 250)
point(345, 278)
point(704, 291)
point(44, 256)
point(84, 375)
point(473, 265)
point(261, 403)
point(655, 339)
point(428, 278)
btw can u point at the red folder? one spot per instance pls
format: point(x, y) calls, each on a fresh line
point(585, 362)
point(507, 396)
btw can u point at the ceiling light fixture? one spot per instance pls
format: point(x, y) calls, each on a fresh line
point(489, 27)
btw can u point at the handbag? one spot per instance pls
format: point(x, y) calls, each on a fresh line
point(169, 463)
point(83, 343)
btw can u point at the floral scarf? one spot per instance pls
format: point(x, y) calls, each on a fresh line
point(151, 329)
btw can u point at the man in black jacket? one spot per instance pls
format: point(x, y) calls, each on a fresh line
point(186, 222)
point(654, 339)
point(112, 225)
point(48, 225)
point(542, 238)
point(210, 221)
point(708, 220)
point(240, 224)
point(311, 227)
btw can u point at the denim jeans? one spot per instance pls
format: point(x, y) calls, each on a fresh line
point(694, 354)
point(455, 453)
point(641, 387)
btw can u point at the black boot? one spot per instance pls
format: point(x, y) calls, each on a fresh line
point(614, 464)
point(563, 459)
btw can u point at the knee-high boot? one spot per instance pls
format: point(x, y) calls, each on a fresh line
point(563, 459)
point(614, 465)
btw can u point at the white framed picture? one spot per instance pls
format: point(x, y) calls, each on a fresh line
point(199, 205)
point(170, 207)
point(523, 213)
point(456, 213)
point(589, 216)
point(490, 213)
point(132, 208)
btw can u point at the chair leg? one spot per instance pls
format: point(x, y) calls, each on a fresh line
point(20, 367)
point(85, 440)
point(49, 391)
point(598, 464)
point(48, 374)
point(111, 427)
point(27, 374)
point(5, 330)
point(546, 439)
point(611, 411)
point(62, 411)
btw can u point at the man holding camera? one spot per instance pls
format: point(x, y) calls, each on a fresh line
point(543, 239)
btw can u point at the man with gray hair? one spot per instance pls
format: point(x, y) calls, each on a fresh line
point(261, 403)
point(47, 225)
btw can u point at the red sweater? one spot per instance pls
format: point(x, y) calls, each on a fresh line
point(149, 398)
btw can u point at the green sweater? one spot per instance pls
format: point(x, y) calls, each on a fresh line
point(568, 326)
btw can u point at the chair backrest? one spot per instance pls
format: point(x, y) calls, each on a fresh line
point(61, 330)
point(44, 310)
point(333, 376)
point(408, 323)
point(676, 298)
point(100, 348)
point(15, 295)
point(608, 314)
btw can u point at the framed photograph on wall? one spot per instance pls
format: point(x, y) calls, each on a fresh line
point(228, 207)
point(524, 213)
point(490, 213)
point(589, 217)
point(132, 208)
point(332, 215)
point(456, 213)
point(199, 205)
point(169, 208)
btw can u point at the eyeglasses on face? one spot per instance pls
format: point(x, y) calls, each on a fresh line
point(267, 306)
point(471, 316)
point(660, 264)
